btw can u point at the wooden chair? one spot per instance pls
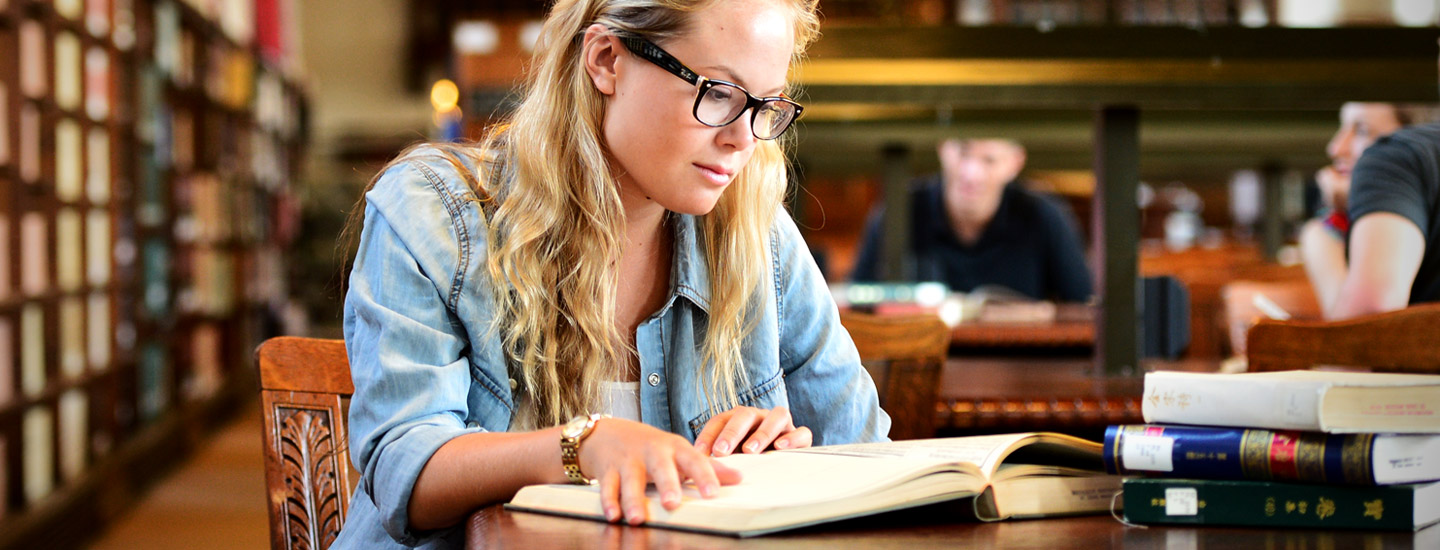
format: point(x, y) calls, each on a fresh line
point(1406, 340)
point(904, 355)
point(1295, 296)
point(302, 382)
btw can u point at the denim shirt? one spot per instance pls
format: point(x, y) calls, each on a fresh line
point(427, 368)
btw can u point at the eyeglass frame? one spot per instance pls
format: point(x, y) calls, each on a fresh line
point(648, 51)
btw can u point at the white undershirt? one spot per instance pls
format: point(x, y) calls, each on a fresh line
point(623, 399)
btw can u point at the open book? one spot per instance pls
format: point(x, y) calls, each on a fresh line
point(1012, 475)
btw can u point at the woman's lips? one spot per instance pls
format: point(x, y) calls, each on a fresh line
point(716, 174)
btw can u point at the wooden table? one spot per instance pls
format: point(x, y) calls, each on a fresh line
point(494, 528)
point(1009, 394)
point(1073, 327)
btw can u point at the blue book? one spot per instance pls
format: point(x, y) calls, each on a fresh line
point(1240, 453)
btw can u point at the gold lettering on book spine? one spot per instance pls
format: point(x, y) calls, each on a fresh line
point(1324, 508)
point(1355, 459)
point(1310, 457)
point(1375, 509)
point(1255, 453)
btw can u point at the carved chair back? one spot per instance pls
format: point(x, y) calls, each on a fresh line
point(1406, 340)
point(905, 355)
point(302, 383)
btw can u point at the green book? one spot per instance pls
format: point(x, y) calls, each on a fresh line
point(1272, 504)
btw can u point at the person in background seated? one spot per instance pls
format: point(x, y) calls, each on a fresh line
point(1394, 240)
point(1322, 239)
point(606, 289)
point(974, 225)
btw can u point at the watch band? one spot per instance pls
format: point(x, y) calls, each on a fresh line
point(574, 433)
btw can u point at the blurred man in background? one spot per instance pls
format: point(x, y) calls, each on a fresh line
point(973, 225)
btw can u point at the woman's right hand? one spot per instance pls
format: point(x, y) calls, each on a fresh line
point(626, 456)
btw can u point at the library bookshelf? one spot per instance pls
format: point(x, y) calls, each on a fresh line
point(146, 151)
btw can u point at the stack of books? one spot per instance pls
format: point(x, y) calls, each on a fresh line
point(1317, 449)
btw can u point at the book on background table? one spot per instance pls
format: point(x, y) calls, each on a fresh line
point(1239, 453)
point(1322, 401)
point(1277, 504)
point(1009, 476)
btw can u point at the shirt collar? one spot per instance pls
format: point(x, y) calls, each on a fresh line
point(690, 276)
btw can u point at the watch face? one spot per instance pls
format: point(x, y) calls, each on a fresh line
point(574, 427)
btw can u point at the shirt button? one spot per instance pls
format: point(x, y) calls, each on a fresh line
point(513, 384)
point(472, 424)
point(653, 379)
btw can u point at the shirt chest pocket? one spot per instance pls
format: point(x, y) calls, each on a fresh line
point(766, 394)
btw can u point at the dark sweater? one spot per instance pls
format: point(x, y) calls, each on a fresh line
point(1030, 246)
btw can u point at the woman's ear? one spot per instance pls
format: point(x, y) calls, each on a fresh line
point(599, 54)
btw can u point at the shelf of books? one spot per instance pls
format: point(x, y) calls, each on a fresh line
point(145, 155)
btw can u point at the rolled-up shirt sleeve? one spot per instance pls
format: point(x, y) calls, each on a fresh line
point(408, 352)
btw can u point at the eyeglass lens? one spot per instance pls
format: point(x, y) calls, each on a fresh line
point(721, 104)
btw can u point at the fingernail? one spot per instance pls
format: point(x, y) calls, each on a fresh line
point(670, 497)
point(722, 447)
point(635, 516)
point(752, 447)
point(707, 490)
point(782, 444)
point(611, 514)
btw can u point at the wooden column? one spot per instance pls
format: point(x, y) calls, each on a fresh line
point(1272, 217)
point(1116, 230)
point(895, 254)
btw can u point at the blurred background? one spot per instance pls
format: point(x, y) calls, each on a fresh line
point(174, 175)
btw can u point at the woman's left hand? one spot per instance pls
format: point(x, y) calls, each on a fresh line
point(755, 429)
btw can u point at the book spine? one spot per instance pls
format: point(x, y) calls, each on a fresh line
point(1235, 453)
point(1258, 403)
point(1268, 504)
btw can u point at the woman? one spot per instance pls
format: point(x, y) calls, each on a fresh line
point(618, 247)
point(1322, 240)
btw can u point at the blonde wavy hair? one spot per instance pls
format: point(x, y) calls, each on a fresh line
point(556, 224)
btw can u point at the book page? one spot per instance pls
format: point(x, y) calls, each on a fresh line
point(984, 452)
point(782, 479)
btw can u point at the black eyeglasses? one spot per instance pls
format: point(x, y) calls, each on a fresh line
point(717, 102)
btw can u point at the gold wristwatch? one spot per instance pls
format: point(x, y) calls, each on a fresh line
point(575, 431)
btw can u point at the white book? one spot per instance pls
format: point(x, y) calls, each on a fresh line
point(98, 333)
point(33, 83)
point(34, 247)
point(68, 160)
point(72, 337)
point(69, 251)
point(32, 349)
point(98, 248)
point(74, 433)
point(67, 71)
point(97, 165)
point(37, 461)
point(1325, 401)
